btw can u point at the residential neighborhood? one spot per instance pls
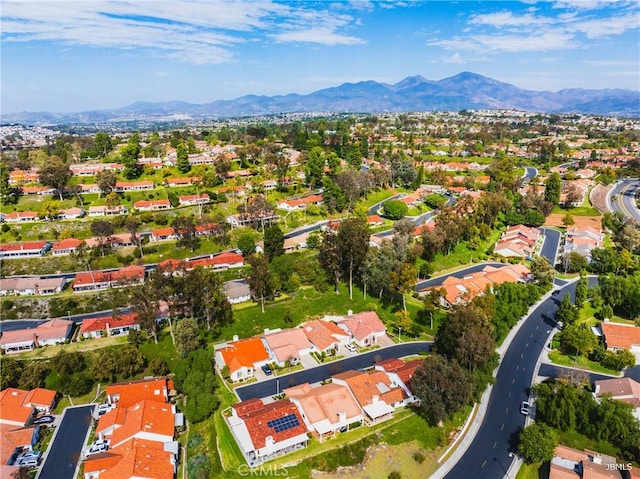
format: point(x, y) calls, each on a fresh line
point(286, 300)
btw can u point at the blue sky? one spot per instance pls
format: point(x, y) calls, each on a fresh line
point(67, 56)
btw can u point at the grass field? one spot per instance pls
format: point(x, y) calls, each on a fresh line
point(308, 303)
point(581, 362)
point(463, 255)
point(533, 471)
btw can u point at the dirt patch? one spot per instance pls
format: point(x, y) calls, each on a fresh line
point(555, 219)
point(383, 459)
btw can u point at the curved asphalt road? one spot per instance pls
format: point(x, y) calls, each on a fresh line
point(66, 448)
point(625, 198)
point(325, 371)
point(488, 454)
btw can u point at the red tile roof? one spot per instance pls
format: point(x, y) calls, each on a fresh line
point(257, 417)
point(620, 335)
point(135, 391)
point(100, 323)
point(244, 353)
point(135, 458)
point(68, 243)
point(146, 417)
point(363, 324)
point(25, 246)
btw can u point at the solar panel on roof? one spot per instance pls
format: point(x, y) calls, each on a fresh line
point(284, 423)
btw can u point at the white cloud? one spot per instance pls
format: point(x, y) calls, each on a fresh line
point(602, 27)
point(455, 58)
point(508, 43)
point(586, 4)
point(194, 31)
point(323, 35)
point(508, 19)
point(611, 63)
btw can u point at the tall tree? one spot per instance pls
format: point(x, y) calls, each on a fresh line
point(106, 181)
point(353, 244)
point(542, 271)
point(144, 301)
point(185, 229)
point(273, 242)
point(182, 162)
point(314, 166)
point(553, 187)
point(102, 230)
point(55, 174)
point(330, 256)
point(133, 224)
point(404, 281)
point(442, 386)
point(187, 336)
point(102, 144)
point(537, 443)
point(260, 281)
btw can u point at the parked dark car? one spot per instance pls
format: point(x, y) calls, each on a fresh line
point(267, 370)
point(44, 420)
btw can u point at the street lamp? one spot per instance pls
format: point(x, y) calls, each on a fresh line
point(399, 337)
point(431, 316)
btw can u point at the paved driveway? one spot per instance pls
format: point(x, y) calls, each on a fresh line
point(65, 450)
point(307, 361)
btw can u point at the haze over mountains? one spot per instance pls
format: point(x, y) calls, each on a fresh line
point(463, 91)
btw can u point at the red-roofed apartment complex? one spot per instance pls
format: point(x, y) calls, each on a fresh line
point(457, 290)
point(141, 431)
point(94, 280)
point(52, 332)
point(13, 441)
point(109, 325)
point(519, 241)
point(265, 431)
point(241, 357)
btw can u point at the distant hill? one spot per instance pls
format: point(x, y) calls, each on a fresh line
point(465, 91)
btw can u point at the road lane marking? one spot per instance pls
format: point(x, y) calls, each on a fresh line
point(483, 464)
point(526, 345)
point(507, 409)
point(495, 444)
point(509, 393)
point(502, 427)
point(513, 380)
point(536, 328)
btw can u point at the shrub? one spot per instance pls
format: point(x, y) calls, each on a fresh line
point(418, 457)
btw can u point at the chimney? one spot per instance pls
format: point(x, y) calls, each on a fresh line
point(350, 313)
point(269, 441)
point(266, 330)
point(375, 398)
point(235, 337)
point(342, 416)
point(108, 327)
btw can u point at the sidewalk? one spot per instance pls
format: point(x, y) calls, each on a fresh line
point(470, 434)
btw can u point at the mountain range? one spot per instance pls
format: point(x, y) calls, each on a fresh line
point(464, 91)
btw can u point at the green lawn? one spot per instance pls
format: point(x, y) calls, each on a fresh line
point(578, 211)
point(47, 352)
point(581, 362)
point(463, 255)
point(308, 303)
point(533, 471)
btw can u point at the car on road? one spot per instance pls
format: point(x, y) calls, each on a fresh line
point(556, 292)
point(525, 408)
point(44, 420)
point(267, 370)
